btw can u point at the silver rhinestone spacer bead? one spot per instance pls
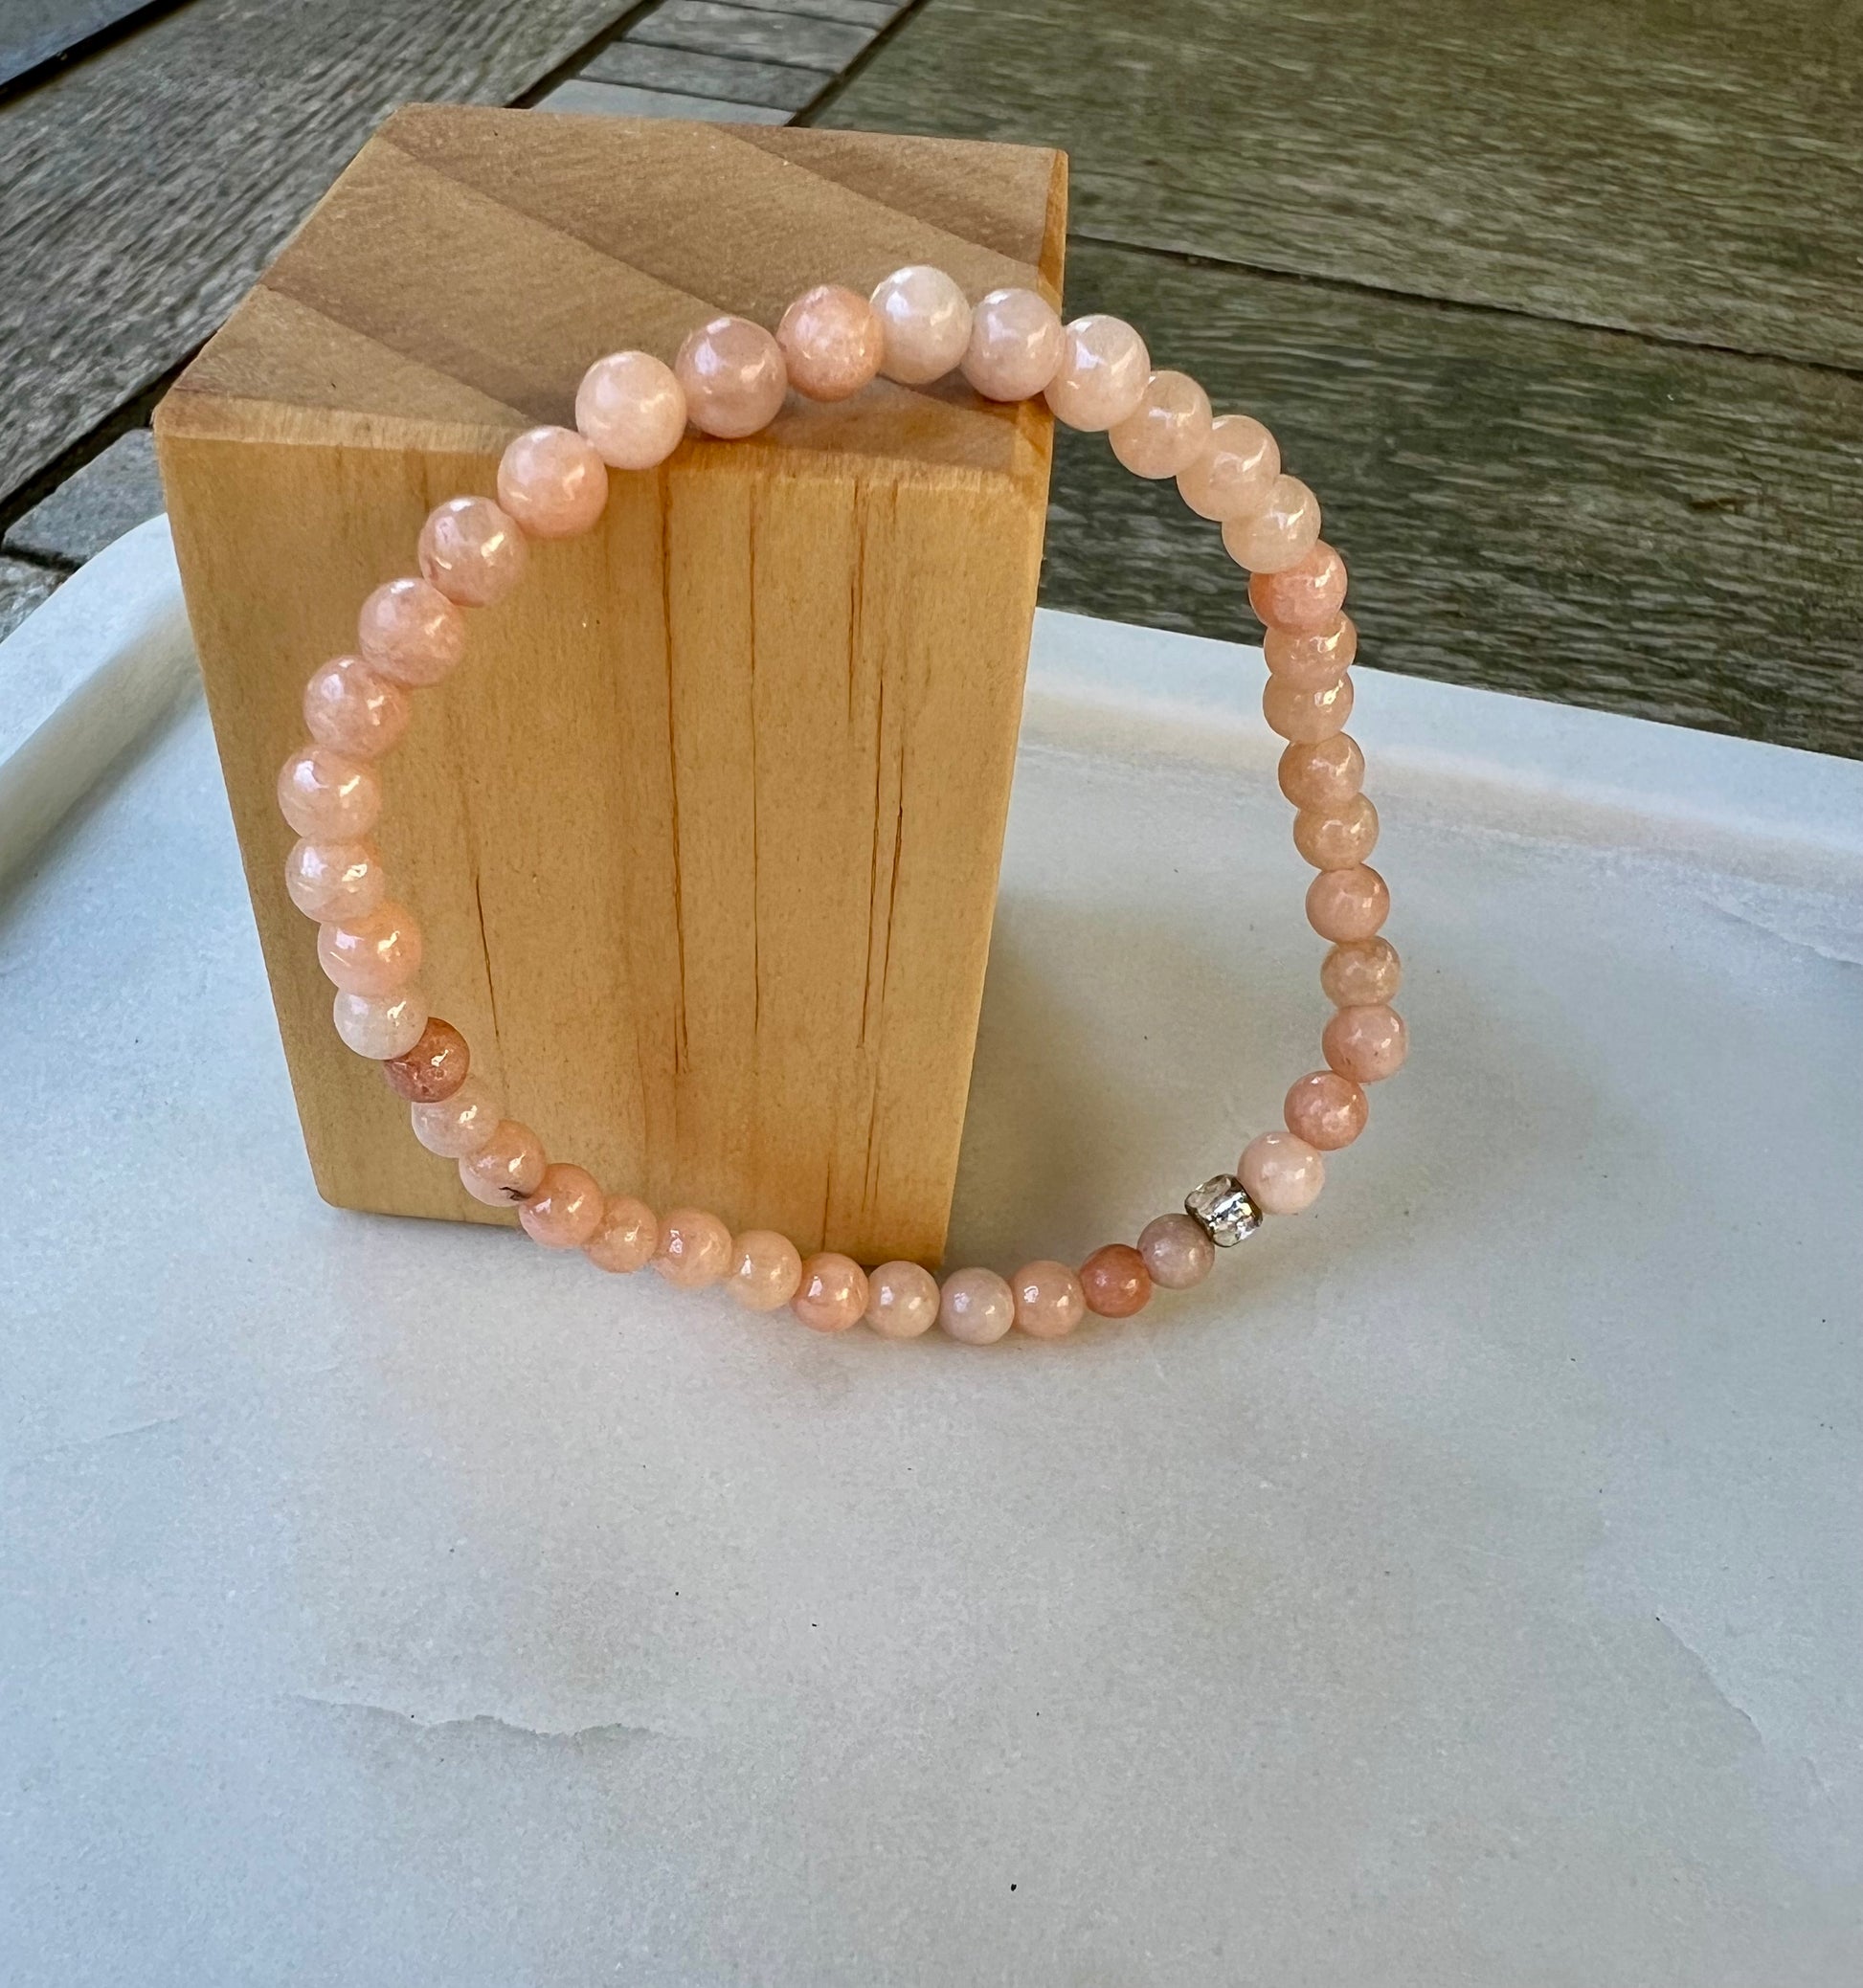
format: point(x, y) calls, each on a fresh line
point(1225, 1209)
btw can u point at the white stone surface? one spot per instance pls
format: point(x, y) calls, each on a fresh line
point(1462, 1587)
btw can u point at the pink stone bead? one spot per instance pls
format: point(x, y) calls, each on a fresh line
point(375, 954)
point(694, 1248)
point(632, 409)
point(460, 1125)
point(1303, 598)
point(976, 1307)
point(1336, 838)
point(1116, 1281)
point(334, 879)
point(1167, 431)
point(1102, 375)
point(1049, 1302)
point(1177, 1251)
point(1322, 772)
point(328, 796)
point(353, 710)
point(379, 1026)
point(1282, 1172)
point(1233, 473)
point(1348, 904)
point(1362, 974)
point(566, 1209)
point(552, 482)
point(831, 343)
point(508, 1168)
point(1280, 534)
point(625, 1237)
point(765, 1270)
point(434, 1068)
point(1366, 1044)
point(926, 324)
point(1309, 660)
point(1326, 1109)
point(901, 1300)
point(833, 1293)
point(472, 551)
point(733, 377)
point(410, 630)
point(1015, 347)
point(1304, 716)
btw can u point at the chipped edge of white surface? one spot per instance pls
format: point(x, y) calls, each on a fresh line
point(86, 675)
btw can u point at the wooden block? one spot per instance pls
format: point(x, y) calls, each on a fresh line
point(705, 834)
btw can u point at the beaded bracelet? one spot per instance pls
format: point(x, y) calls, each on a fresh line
point(728, 380)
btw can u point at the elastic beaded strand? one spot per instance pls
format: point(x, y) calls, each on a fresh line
point(730, 380)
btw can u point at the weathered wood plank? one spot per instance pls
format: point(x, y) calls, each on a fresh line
point(640, 65)
point(241, 116)
point(1568, 513)
point(37, 32)
point(863, 13)
point(584, 98)
point(709, 27)
point(1688, 171)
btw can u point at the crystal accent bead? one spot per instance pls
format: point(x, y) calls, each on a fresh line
point(1225, 1209)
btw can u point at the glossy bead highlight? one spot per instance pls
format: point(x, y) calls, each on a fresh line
point(925, 324)
point(1102, 375)
point(410, 630)
point(1282, 533)
point(472, 551)
point(632, 409)
point(1326, 1110)
point(1014, 345)
point(625, 1237)
point(330, 881)
point(976, 1307)
point(733, 377)
point(902, 1301)
point(1282, 1172)
point(434, 1068)
point(1233, 473)
point(765, 1270)
point(1116, 1281)
point(1366, 1044)
point(552, 482)
point(328, 796)
point(1167, 431)
point(508, 1168)
point(565, 1210)
point(694, 1248)
point(833, 1293)
point(832, 343)
point(355, 710)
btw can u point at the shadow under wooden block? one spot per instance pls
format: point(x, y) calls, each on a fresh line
point(704, 835)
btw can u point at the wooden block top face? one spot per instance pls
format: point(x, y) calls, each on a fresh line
point(470, 264)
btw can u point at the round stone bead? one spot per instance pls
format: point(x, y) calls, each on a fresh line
point(552, 482)
point(733, 377)
point(1049, 1302)
point(459, 1125)
point(976, 1307)
point(1322, 772)
point(355, 710)
point(1116, 1281)
point(694, 1248)
point(1304, 716)
point(1338, 837)
point(1015, 347)
point(379, 1025)
point(1167, 431)
point(625, 1237)
point(1177, 1251)
point(832, 343)
point(1280, 534)
point(508, 1168)
point(1232, 474)
point(566, 1209)
point(832, 1294)
point(632, 409)
point(1102, 375)
point(1362, 974)
point(375, 954)
point(472, 551)
point(328, 796)
point(1366, 1044)
point(334, 879)
point(1309, 660)
point(1282, 1172)
point(434, 1068)
point(410, 630)
point(924, 323)
point(1348, 904)
point(1303, 598)
point(765, 1268)
point(1326, 1109)
point(901, 1300)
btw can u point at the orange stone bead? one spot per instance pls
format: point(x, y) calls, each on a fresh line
point(1116, 1281)
point(1322, 772)
point(434, 1068)
point(1326, 1109)
point(1348, 904)
point(1336, 838)
point(1366, 1044)
point(1359, 972)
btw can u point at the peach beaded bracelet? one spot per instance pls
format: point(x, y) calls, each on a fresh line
point(730, 379)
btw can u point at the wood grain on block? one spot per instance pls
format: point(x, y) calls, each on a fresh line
point(704, 832)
